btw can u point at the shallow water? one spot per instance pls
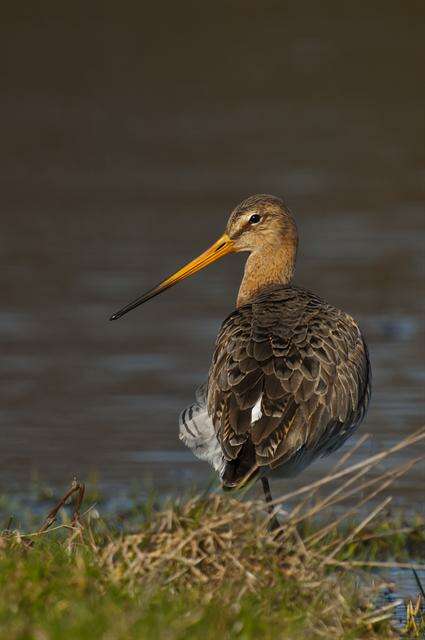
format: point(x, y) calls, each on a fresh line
point(401, 584)
point(127, 141)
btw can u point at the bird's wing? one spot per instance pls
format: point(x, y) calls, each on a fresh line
point(289, 373)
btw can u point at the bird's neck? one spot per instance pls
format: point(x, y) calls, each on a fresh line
point(268, 266)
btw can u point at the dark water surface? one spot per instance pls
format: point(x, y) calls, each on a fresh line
point(126, 140)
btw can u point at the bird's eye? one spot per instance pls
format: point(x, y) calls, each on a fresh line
point(254, 218)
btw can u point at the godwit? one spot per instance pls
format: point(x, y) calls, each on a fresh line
point(290, 374)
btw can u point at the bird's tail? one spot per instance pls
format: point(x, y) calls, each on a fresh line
point(241, 471)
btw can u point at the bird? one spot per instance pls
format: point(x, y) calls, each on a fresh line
point(290, 377)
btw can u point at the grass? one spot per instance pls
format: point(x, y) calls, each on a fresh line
point(208, 567)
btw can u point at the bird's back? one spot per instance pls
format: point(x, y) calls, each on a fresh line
point(290, 380)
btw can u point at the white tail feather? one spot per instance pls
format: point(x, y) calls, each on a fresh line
point(197, 432)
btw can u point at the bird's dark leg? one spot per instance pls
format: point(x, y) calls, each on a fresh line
point(274, 522)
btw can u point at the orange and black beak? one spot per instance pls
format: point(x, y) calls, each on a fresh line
point(219, 249)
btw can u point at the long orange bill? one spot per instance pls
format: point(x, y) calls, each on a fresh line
point(219, 249)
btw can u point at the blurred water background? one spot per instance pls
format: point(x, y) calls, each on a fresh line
point(128, 134)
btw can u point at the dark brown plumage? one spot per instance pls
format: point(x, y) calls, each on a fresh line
point(308, 363)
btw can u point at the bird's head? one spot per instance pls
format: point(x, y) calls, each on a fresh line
point(261, 223)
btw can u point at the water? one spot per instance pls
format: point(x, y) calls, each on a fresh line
point(127, 139)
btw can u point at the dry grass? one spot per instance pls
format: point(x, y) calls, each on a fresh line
point(219, 550)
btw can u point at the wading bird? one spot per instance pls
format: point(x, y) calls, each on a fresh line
point(290, 375)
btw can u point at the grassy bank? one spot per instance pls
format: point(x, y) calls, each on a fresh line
point(208, 567)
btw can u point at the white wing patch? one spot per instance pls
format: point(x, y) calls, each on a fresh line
point(256, 412)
